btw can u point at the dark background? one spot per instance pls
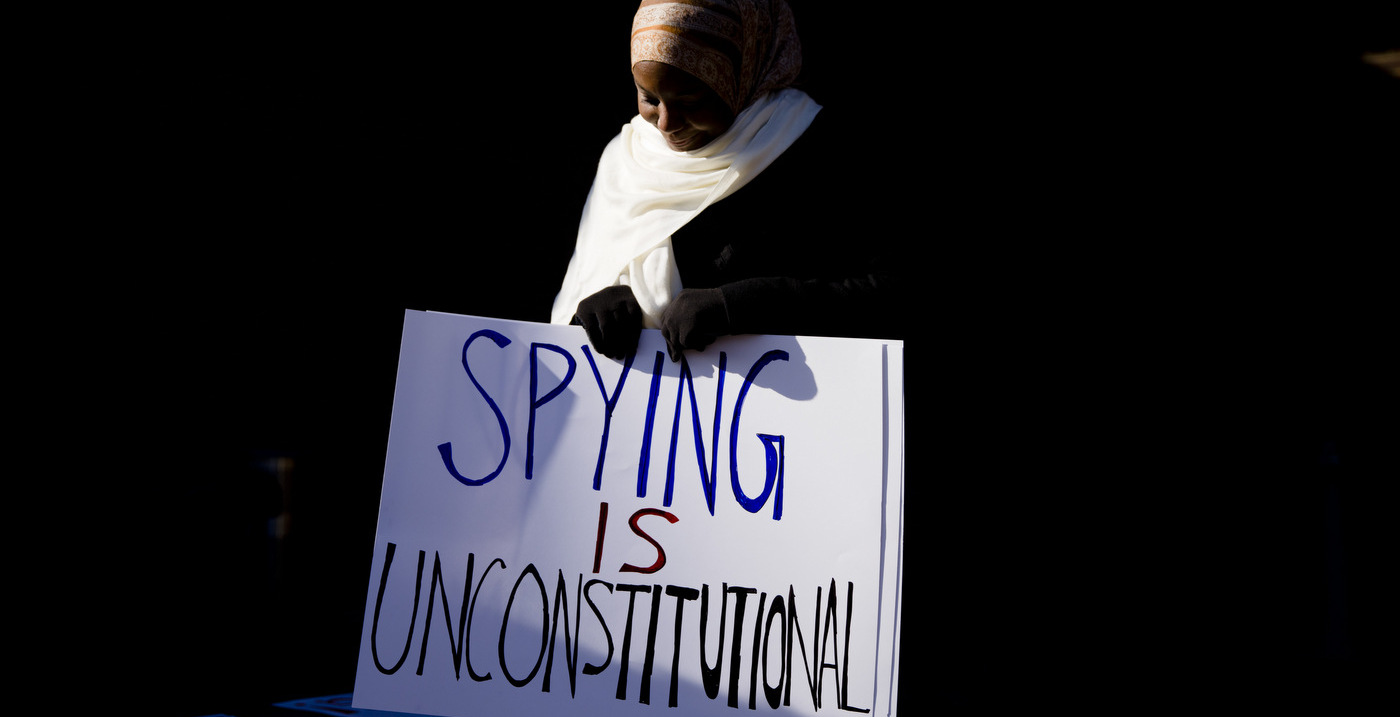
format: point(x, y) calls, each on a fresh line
point(1144, 369)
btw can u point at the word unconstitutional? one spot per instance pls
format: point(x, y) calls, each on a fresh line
point(773, 444)
point(770, 673)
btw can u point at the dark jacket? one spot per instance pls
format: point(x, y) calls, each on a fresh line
point(805, 247)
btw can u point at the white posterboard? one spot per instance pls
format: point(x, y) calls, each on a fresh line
point(563, 533)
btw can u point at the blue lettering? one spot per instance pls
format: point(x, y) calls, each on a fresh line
point(609, 404)
point(535, 402)
point(644, 462)
point(774, 445)
point(707, 480)
point(445, 449)
point(774, 457)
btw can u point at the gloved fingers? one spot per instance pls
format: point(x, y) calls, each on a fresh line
point(690, 342)
point(614, 334)
point(624, 330)
point(690, 335)
point(592, 328)
point(670, 331)
point(612, 319)
point(673, 343)
point(693, 320)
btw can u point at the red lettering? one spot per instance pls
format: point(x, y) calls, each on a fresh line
point(660, 553)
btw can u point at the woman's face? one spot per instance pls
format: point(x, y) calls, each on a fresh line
point(685, 109)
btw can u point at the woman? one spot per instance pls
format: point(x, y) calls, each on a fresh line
point(708, 211)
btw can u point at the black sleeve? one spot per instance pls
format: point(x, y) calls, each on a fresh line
point(808, 247)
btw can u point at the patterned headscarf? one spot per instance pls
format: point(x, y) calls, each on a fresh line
point(740, 48)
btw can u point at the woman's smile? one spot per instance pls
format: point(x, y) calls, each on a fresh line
point(685, 141)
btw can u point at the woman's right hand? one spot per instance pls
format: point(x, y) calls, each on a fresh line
point(613, 320)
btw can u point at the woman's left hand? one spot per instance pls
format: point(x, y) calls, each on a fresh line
point(693, 320)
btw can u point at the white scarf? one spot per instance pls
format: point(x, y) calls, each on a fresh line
point(644, 191)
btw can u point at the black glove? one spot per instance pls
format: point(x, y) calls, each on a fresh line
point(613, 319)
point(695, 318)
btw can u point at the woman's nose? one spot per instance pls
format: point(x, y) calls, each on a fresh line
point(669, 120)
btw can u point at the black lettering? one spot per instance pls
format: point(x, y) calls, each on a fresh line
point(649, 659)
point(827, 631)
point(471, 614)
point(561, 598)
point(439, 586)
point(795, 635)
point(681, 594)
point(757, 633)
point(774, 693)
point(742, 595)
point(777, 635)
point(631, 591)
point(709, 676)
point(544, 630)
point(590, 668)
point(846, 656)
point(379, 602)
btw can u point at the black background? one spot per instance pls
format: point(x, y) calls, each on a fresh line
point(1146, 359)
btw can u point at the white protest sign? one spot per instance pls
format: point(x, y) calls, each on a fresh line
point(563, 533)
